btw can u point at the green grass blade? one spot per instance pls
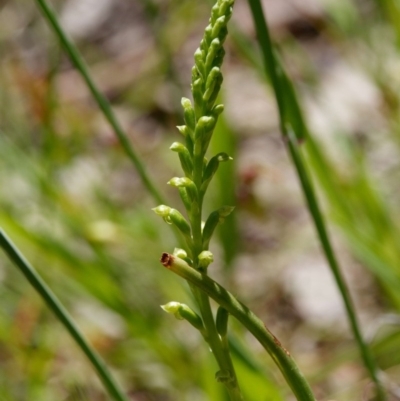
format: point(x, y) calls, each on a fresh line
point(58, 309)
point(293, 129)
point(102, 102)
point(328, 250)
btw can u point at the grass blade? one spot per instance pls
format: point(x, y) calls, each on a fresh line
point(294, 129)
point(102, 102)
point(63, 316)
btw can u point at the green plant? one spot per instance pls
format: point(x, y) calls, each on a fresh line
point(200, 121)
point(192, 263)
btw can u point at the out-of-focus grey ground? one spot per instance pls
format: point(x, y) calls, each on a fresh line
point(75, 205)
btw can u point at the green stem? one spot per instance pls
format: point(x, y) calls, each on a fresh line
point(221, 354)
point(283, 87)
point(102, 102)
point(326, 245)
point(280, 355)
point(58, 309)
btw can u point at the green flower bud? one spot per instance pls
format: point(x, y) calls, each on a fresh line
point(203, 45)
point(197, 90)
point(199, 55)
point(184, 312)
point(212, 97)
point(224, 6)
point(186, 183)
point(164, 212)
point(171, 307)
point(173, 216)
point(199, 58)
point(178, 147)
point(204, 130)
point(213, 220)
point(213, 76)
point(214, 13)
point(180, 253)
point(221, 322)
point(183, 130)
point(214, 79)
point(205, 259)
point(223, 157)
point(219, 24)
point(180, 182)
point(184, 157)
point(203, 127)
point(212, 53)
point(217, 110)
point(188, 113)
point(208, 36)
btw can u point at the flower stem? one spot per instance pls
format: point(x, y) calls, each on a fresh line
point(220, 352)
point(272, 345)
point(63, 316)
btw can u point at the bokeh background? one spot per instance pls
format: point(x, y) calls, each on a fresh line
point(74, 204)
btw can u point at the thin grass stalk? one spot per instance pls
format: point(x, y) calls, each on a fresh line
point(293, 133)
point(100, 99)
point(55, 305)
point(241, 312)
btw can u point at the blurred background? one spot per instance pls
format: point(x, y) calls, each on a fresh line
point(74, 204)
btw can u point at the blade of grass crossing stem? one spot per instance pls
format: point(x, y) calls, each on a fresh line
point(102, 102)
point(248, 319)
point(291, 119)
point(58, 309)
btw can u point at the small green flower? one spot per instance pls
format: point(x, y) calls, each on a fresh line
point(188, 112)
point(173, 216)
point(205, 259)
point(184, 312)
point(184, 157)
point(180, 253)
